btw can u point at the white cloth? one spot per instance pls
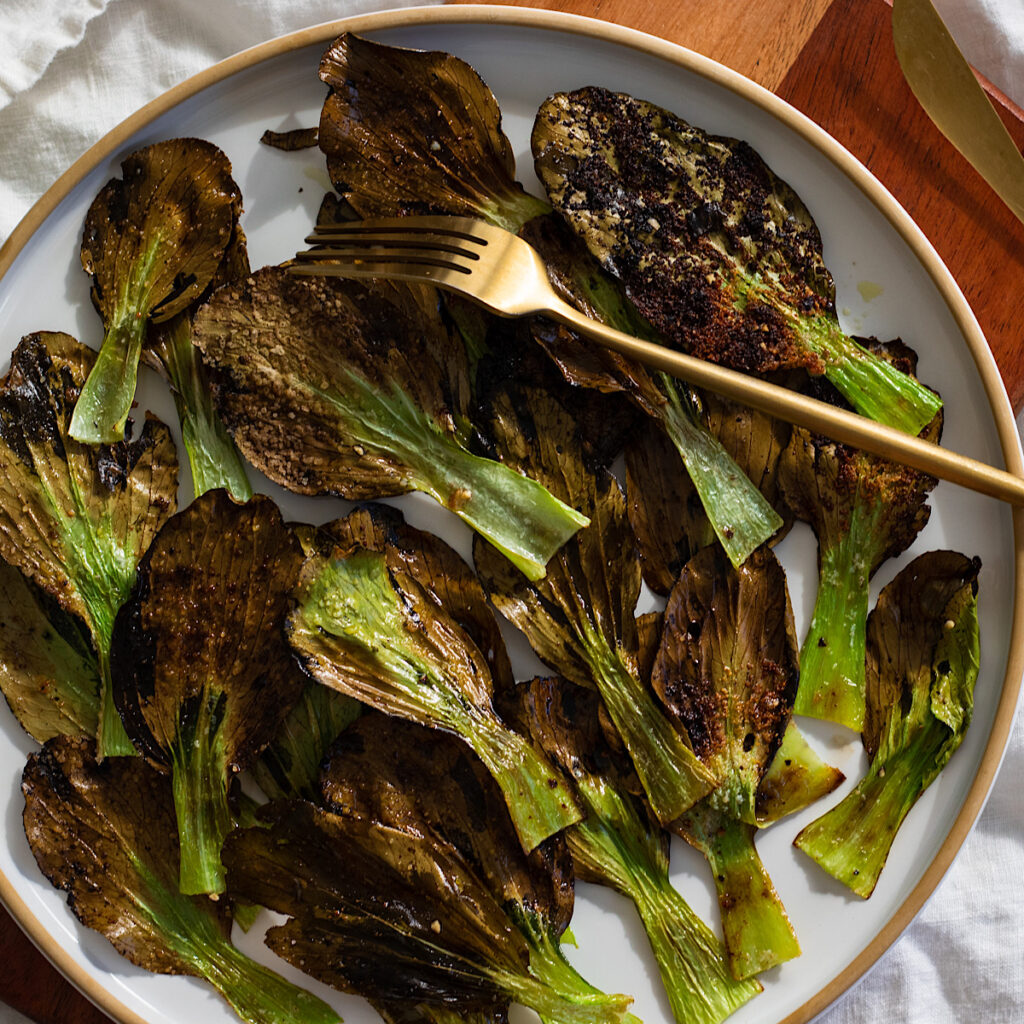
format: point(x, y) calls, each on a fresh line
point(990, 33)
point(72, 69)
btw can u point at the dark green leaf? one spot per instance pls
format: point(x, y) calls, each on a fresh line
point(76, 519)
point(153, 241)
point(212, 456)
point(332, 387)
point(105, 834)
point(202, 675)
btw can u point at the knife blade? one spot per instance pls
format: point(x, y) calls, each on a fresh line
point(944, 84)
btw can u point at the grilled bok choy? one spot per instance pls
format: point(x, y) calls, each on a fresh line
point(290, 766)
point(620, 845)
point(154, 240)
point(365, 625)
point(922, 663)
point(714, 250)
point(412, 132)
point(336, 387)
point(796, 777)
point(75, 518)
point(372, 910)
point(863, 510)
point(727, 670)
point(409, 780)
point(106, 835)
point(580, 617)
point(202, 675)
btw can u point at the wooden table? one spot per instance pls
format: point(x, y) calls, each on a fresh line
point(834, 61)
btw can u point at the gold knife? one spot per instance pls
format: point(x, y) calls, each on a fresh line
point(945, 86)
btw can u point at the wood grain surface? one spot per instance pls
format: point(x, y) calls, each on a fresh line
point(835, 62)
point(761, 40)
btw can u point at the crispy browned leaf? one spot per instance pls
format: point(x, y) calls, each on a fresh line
point(665, 509)
point(105, 834)
point(405, 777)
point(727, 668)
point(580, 617)
point(61, 500)
point(48, 670)
point(164, 225)
point(903, 630)
point(371, 908)
point(76, 518)
point(207, 615)
point(278, 345)
point(408, 131)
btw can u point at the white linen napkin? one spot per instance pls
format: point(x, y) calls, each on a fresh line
point(990, 34)
point(25, 51)
point(70, 70)
point(65, 88)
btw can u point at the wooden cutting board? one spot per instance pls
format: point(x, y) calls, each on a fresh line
point(835, 62)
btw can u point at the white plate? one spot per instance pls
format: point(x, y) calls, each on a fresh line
point(869, 241)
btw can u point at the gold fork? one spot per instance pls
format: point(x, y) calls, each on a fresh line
point(506, 275)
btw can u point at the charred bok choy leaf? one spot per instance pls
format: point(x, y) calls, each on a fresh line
point(153, 241)
point(412, 132)
point(366, 625)
point(415, 132)
point(863, 510)
point(76, 519)
point(335, 387)
point(580, 617)
point(105, 834)
point(618, 844)
point(727, 669)
point(394, 914)
point(202, 675)
point(48, 669)
point(395, 774)
point(922, 663)
point(290, 765)
point(796, 777)
point(733, 508)
point(717, 252)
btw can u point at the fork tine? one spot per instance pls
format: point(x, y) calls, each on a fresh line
point(468, 228)
point(399, 241)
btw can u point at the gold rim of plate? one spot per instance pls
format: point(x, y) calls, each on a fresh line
point(817, 137)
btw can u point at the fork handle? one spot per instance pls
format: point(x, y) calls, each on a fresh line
point(847, 427)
